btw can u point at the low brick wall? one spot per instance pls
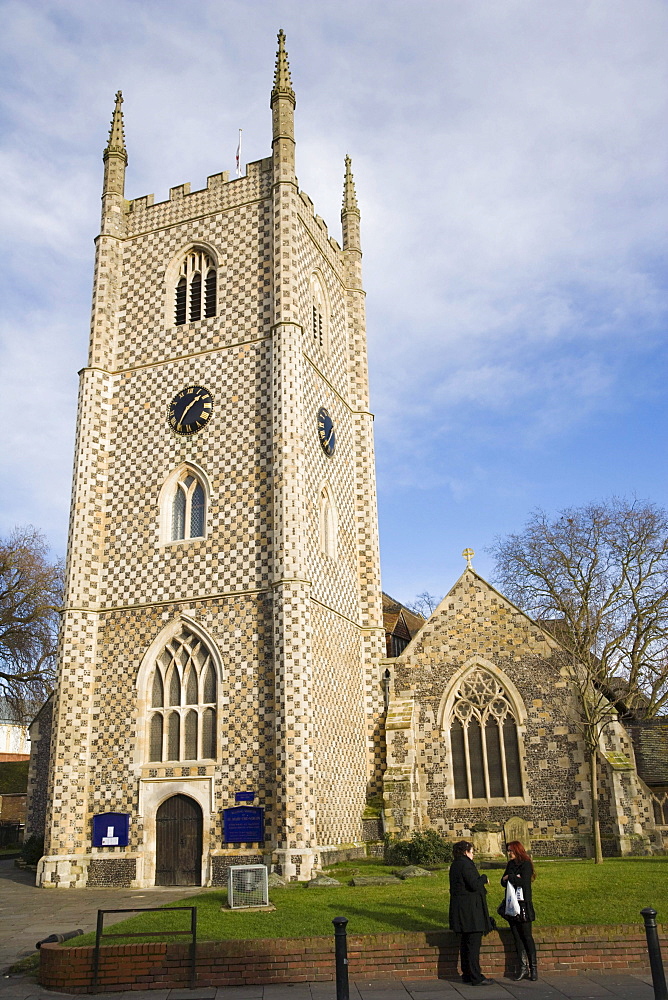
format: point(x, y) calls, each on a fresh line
point(371, 956)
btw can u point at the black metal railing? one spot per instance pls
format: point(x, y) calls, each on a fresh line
point(101, 933)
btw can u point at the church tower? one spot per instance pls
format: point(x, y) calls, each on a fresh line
point(222, 628)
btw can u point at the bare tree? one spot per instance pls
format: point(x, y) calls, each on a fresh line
point(424, 604)
point(30, 596)
point(600, 574)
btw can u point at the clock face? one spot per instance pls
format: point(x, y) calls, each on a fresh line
point(190, 409)
point(326, 431)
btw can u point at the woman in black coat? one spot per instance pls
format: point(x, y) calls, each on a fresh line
point(469, 915)
point(520, 873)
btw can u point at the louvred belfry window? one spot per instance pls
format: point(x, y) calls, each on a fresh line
point(195, 295)
point(183, 686)
point(318, 311)
point(484, 741)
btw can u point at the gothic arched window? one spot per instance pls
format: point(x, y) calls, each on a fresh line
point(484, 743)
point(327, 523)
point(319, 317)
point(195, 295)
point(188, 507)
point(183, 688)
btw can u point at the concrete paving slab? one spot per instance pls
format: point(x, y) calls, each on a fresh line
point(582, 987)
point(199, 993)
point(493, 991)
point(442, 992)
point(391, 993)
point(420, 987)
point(239, 992)
point(288, 991)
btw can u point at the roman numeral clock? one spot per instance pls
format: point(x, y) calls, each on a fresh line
point(190, 410)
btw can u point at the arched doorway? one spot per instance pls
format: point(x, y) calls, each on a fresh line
point(178, 842)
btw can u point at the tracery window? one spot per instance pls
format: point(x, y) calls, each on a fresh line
point(484, 741)
point(188, 510)
point(196, 289)
point(327, 523)
point(318, 311)
point(183, 693)
point(660, 803)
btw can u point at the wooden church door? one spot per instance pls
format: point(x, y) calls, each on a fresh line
point(178, 847)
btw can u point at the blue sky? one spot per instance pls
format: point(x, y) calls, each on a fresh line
point(510, 158)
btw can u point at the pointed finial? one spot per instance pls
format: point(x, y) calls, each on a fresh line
point(349, 195)
point(116, 142)
point(468, 555)
point(282, 81)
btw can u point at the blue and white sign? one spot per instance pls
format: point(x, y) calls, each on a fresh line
point(111, 830)
point(243, 825)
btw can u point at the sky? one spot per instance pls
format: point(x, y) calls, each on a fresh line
point(510, 159)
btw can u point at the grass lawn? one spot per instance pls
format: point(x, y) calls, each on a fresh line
point(565, 892)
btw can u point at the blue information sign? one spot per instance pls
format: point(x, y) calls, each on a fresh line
point(111, 830)
point(244, 796)
point(243, 825)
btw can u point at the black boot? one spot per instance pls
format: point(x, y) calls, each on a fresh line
point(533, 972)
point(523, 972)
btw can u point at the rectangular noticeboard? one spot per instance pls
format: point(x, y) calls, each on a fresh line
point(243, 825)
point(244, 796)
point(111, 830)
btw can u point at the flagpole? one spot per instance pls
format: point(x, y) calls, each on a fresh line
point(239, 154)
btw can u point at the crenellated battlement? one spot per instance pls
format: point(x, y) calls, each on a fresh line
point(319, 231)
point(220, 194)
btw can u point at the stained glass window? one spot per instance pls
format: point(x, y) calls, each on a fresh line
point(483, 740)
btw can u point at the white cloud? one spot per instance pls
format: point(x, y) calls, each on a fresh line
point(510, 160)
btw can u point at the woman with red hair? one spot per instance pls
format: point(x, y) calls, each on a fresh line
point(520, 873)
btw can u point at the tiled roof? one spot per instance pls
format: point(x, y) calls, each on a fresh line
point(393, 611)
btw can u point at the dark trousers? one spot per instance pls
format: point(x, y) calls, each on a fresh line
point(523, 939)
point(469, 956)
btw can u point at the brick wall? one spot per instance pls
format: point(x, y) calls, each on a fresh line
point(372, 956)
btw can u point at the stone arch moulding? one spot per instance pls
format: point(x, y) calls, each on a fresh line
point(520, 713)
point(165, 496)
point(152, 793)
point(319, 294)
point(146, 666)
point(171, 275)
point(447, 700)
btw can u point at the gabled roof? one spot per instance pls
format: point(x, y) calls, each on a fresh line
point(441, 611)
point(400, 620)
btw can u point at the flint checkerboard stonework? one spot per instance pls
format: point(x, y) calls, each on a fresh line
point(296, 634)
point(476, 628)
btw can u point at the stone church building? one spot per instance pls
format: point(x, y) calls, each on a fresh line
point(227, 691)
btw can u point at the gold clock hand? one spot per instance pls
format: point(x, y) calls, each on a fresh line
point(190, 406)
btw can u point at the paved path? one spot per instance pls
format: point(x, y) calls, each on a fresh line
point(28, 914)
point(551, 987)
